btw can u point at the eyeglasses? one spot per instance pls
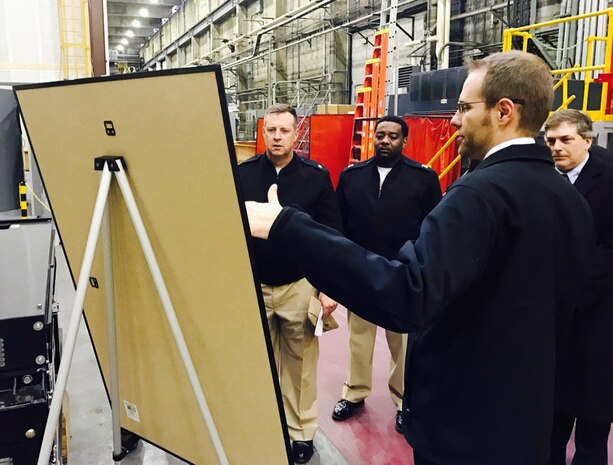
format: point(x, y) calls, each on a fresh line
point(463, 107)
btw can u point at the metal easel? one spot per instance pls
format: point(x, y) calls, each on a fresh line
point(109, 166)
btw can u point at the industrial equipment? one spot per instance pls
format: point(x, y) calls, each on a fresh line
point(29, 348)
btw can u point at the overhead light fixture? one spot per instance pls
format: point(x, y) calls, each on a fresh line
point(120, 48)
point(153, 1)
point(144, 12)
point(124, 41)
point(136, 23)
point(129, 33)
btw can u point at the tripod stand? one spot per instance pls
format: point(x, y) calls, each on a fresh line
point(115, 167)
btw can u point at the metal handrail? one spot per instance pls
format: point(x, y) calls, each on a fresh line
point(597, 115)
point(442, 149)
point(450, 166)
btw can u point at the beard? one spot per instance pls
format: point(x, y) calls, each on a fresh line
point(387, 159)
point(476, 145)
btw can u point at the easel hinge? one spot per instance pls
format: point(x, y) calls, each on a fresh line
point(111, 160)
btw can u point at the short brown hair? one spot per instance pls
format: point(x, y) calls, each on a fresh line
point(521, 77)
point(580, 120)
point(283, 108)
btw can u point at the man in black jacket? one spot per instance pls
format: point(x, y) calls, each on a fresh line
point(383, 202)
point(489, 286)
point(584, 387)
point(287, 294)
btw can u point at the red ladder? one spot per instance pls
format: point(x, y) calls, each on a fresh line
point(370, 101)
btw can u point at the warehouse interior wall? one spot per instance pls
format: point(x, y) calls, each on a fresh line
point(29, 42)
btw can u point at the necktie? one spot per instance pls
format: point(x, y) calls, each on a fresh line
point(565, 176)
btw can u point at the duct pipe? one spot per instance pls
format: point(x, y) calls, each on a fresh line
point(561, 35)
point(601, 31)
point(443, 8)
point(106, 36)
point(579, 58)
point(470, 14)
point(447, 32)
point(566, 38)
point(461, 44)
point(276, 23)
point(305, 39)
point(256, 51)
point(571, 31)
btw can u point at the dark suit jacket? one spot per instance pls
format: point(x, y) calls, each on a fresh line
point(383, 221)
point(602, 153)
point(586, 372)
point(488, 286)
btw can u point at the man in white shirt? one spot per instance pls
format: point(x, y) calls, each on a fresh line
point(382, 201)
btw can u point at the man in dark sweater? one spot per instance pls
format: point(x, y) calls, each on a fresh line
point(287, 294)
point(383, 202)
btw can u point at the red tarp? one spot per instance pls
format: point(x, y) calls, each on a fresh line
point(426, 137)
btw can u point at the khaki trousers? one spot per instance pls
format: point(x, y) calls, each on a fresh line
point(362, 335)
point(296, 350)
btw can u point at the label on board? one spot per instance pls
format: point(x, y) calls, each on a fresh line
point(131, 411)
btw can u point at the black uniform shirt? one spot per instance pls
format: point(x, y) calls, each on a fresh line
point(303, 183)
point(383, 220)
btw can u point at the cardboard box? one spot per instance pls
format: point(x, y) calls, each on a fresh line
point(244, 150)
point(335, 109)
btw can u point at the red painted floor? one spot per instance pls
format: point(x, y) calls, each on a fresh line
point(368, 438)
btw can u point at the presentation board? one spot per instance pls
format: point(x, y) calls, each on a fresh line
point(172, 129)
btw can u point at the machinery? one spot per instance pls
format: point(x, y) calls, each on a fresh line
point(29, 349)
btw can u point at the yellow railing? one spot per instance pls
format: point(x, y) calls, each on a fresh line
point(439, 153)
point(599, 114)
point(524, 33)
point(442, 149)
point(74, 39)
point(455, 161)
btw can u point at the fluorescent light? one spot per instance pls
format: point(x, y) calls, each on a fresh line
point(136, 23)
point(153, 1)
point(119, 48)
point(124, 41)
point(143, 12)
point(129, 33)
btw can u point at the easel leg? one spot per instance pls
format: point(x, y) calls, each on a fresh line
point(111, 326)
point(75, 319)
point(171, 316)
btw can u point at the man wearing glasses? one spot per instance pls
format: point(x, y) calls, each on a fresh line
point(489, 286)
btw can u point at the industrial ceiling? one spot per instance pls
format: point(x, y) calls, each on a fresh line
point(132, 22)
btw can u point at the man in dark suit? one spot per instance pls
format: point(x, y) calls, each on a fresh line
point(383, 202)
point(488, 286)
point(602, 153)
point(584, 387)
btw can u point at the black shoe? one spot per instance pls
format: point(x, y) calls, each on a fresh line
point(345, 409)
point(399, 421)
point(302, 451)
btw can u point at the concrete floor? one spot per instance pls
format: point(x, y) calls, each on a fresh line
point(90, 435)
